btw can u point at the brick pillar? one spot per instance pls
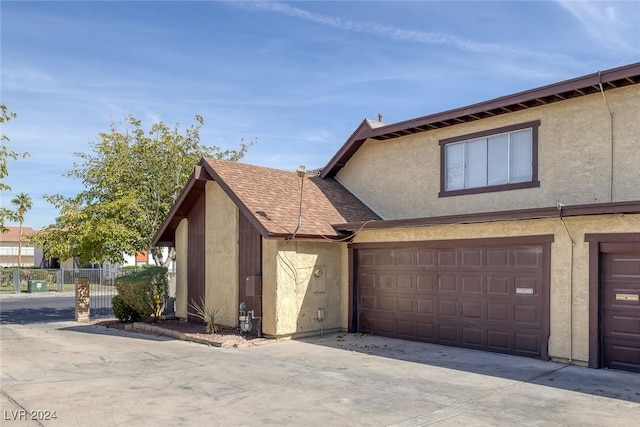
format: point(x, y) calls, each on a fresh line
point(82, 299)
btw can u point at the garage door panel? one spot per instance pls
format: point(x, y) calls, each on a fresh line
point(526, 285)
point(426, 331)
point(472, 310)
point(471, 258)
point(626, 268)
point(405, 258)
point(405, 305)
point(527, 343)
point(426, 282)
point(527, 314)
point(448, 258)
point(620, 311)
point(367, 280)
point(498, 258)
point(448, 308)
point(627, 356)
point(387, 281)
point(472, 284)
point(366, 258)
point(623, 326)
point(425, 258)
point(448, 334)
point(386, 303)
point(527, 258)
point(404, 281)
point(473, 337)
point(426, 306)
point(497, 312)
point(499, 340)
point(448, 283)
point(368, 302)
point(498, 285)
point(458, 296)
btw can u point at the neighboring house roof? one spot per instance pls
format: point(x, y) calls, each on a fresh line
point(270, 199)
point(581, 86)
point(13, 234)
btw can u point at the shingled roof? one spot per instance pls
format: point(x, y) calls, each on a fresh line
point(13, 234)
point(270, 199)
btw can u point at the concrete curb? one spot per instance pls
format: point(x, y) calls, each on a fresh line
point(147, 328)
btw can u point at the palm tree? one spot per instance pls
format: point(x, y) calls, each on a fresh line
point(23, 203)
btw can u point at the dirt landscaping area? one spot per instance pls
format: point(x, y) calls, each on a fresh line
point(189, 331)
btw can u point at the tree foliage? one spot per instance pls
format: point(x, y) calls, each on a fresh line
point(23, 204)
point(5, 155)
point(131, 179)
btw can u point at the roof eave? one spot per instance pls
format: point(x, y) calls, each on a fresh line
point(629, 207)
point(629, 74)
point(165, 236)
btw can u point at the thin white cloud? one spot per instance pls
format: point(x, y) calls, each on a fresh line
point(394, 33)
point(605, 21)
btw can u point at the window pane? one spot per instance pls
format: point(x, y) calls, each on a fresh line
point(475, 174)
point(520, 162)
point(498, 168)
point(454, 160)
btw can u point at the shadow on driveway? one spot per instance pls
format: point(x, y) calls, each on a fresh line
point(101, 330)
point(21, 316)
point(598, 382)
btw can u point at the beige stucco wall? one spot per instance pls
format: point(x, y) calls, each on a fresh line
point(400, 178)
point(221, 256)
point(569, 287)
point(293, 294)
point(182, 245)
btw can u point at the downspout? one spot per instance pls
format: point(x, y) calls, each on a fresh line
point(573, 243)
point(610, 137)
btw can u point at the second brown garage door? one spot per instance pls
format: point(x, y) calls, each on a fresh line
point(479, 294)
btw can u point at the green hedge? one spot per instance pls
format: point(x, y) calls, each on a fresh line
point(144, 290)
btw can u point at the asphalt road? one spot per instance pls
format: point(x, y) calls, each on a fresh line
point(18, 309)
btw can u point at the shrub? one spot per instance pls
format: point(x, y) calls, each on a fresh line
point(209, 313)
point(144, 290)
point(123, 311)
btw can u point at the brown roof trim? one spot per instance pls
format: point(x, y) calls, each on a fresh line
point(632, 207)
point(581, 86)
point(165, 236)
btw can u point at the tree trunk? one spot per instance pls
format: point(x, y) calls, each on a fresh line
point(20, 245)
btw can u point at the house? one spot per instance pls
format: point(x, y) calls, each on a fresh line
point(510, 226)
point(9, 246)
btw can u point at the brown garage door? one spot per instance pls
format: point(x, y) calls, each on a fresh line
point(492, 298)
point(621, 311)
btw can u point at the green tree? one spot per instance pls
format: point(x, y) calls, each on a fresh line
point(131, 180)
point(23, 204)
point(5, 155)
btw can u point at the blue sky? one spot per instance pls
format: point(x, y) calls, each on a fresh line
point(297, 76)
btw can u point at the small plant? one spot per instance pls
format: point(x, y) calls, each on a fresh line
point(123, 311)
point(207, 312)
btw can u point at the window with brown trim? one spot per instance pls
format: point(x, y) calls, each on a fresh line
point(495, 160)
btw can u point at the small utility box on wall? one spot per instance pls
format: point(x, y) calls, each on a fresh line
point(319, 280)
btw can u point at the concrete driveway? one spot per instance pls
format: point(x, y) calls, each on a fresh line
point(91, 376)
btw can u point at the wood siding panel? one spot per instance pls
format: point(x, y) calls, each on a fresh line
point(196, 251)
point(250, 266)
